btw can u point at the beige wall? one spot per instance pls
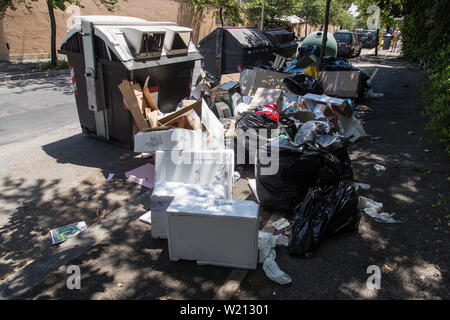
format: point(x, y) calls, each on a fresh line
point(28, 34)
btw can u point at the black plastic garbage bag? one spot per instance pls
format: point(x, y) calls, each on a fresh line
point(308, 50)
point(253, 131)
point(298, 167)
point(325, 211)
point(320, 132)
point(302, 84)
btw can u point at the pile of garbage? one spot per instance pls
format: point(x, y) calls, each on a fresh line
point(289, 122)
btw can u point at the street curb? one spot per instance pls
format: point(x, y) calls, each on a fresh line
point(35, 75)
point(33, 274)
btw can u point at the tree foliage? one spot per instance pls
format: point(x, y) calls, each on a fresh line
point(225, 10)
point(426, 39)
point(313, 11)
point(273, 11)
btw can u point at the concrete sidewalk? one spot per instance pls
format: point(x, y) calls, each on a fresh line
point(11, 71)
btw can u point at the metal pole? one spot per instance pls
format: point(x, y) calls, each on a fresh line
point(262, 16)
point(376, 42)
point(325, 33)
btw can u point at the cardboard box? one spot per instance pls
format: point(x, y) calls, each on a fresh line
point(161, 138)
point(188, 120)
point(134, 103)
point(267, 96)
point(163, 194)
point(340, 105)
point(340, 83)
point(301, 115)
point(214, 231)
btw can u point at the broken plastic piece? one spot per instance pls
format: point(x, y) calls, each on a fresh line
point(146, 217)
point(373, 208)
point(380, 216)
point(280, 224)
point(379, 167)
point(363, 186)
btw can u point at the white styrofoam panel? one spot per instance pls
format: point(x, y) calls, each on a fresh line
point(215, 167)
point(163, 194)
point(173, 139)
point(214, 231)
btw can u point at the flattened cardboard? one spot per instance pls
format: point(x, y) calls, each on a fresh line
point(152, 117)
point(133, 105)
point(267, 96)
point(268, 79)
point(139, 96)
point(148, 97)
point(230, 77)
point(144, 175)
point(340, 83)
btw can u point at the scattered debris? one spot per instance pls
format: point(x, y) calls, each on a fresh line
point(363, 108)
point(280, 224)
point(85, 197)
point(379, 167)
point(143, 175)
point(363, 186)
point(267, 243)
point(146, 217)
point(124, 156)
point(61, 234)
point(373, 208)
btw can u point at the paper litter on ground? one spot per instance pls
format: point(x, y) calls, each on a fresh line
point(61, 234)
point(146, 217)
point(373, 208)
point(266, 244)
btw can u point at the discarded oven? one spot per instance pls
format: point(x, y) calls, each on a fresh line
point(284, 42)
point(104, 50)
point(231, 49)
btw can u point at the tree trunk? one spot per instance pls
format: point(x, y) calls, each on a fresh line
point(51, 14)
point(324, 36)
point(221, 16)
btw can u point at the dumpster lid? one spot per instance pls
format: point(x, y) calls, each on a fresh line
point(249, 37)
point(109, 29)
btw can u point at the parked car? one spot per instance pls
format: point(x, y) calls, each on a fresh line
point(348, 43)
point(368, 39)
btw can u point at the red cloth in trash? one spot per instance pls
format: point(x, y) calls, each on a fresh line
point(271, 110)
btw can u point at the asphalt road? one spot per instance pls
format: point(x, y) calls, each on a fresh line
point(47, 165)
